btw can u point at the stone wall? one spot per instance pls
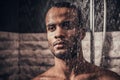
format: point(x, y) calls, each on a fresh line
point(23, 56)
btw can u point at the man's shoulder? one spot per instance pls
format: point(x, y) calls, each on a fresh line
point(101, 74)
point(46, 74)
point(104, 74)
point(98, 73)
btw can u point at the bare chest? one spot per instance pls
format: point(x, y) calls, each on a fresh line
point(79, 77)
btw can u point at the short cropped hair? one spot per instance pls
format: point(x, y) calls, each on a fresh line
point(72, 6)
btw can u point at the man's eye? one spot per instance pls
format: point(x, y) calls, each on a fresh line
point(51, 28)
point(66, 25)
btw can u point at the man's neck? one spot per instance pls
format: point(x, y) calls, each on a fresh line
point(67, 65)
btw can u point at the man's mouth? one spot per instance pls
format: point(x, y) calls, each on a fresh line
point(59, 44)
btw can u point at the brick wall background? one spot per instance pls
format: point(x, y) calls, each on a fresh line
point(23, 56)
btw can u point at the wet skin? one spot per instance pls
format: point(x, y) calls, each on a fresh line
point(63, 33)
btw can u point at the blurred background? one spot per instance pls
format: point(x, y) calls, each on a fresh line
point(24, 51)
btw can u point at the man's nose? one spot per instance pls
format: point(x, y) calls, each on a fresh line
point(60, 32)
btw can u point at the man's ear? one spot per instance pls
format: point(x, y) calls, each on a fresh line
point(82, 33)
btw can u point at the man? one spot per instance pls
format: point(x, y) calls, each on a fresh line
point(65, 32)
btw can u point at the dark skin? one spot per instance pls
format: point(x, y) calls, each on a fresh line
point(64, 38)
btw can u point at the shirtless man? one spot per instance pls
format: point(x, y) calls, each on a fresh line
point(64, 33)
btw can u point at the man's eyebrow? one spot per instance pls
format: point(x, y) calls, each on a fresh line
point(51, 24)
point(64, 21)
point(67, 21)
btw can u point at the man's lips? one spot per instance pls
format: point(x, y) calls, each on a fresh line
point(59, 44)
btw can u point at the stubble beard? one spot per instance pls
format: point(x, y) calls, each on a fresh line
point(67, 54)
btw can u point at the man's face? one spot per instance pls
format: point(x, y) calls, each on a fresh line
point(62, 31)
